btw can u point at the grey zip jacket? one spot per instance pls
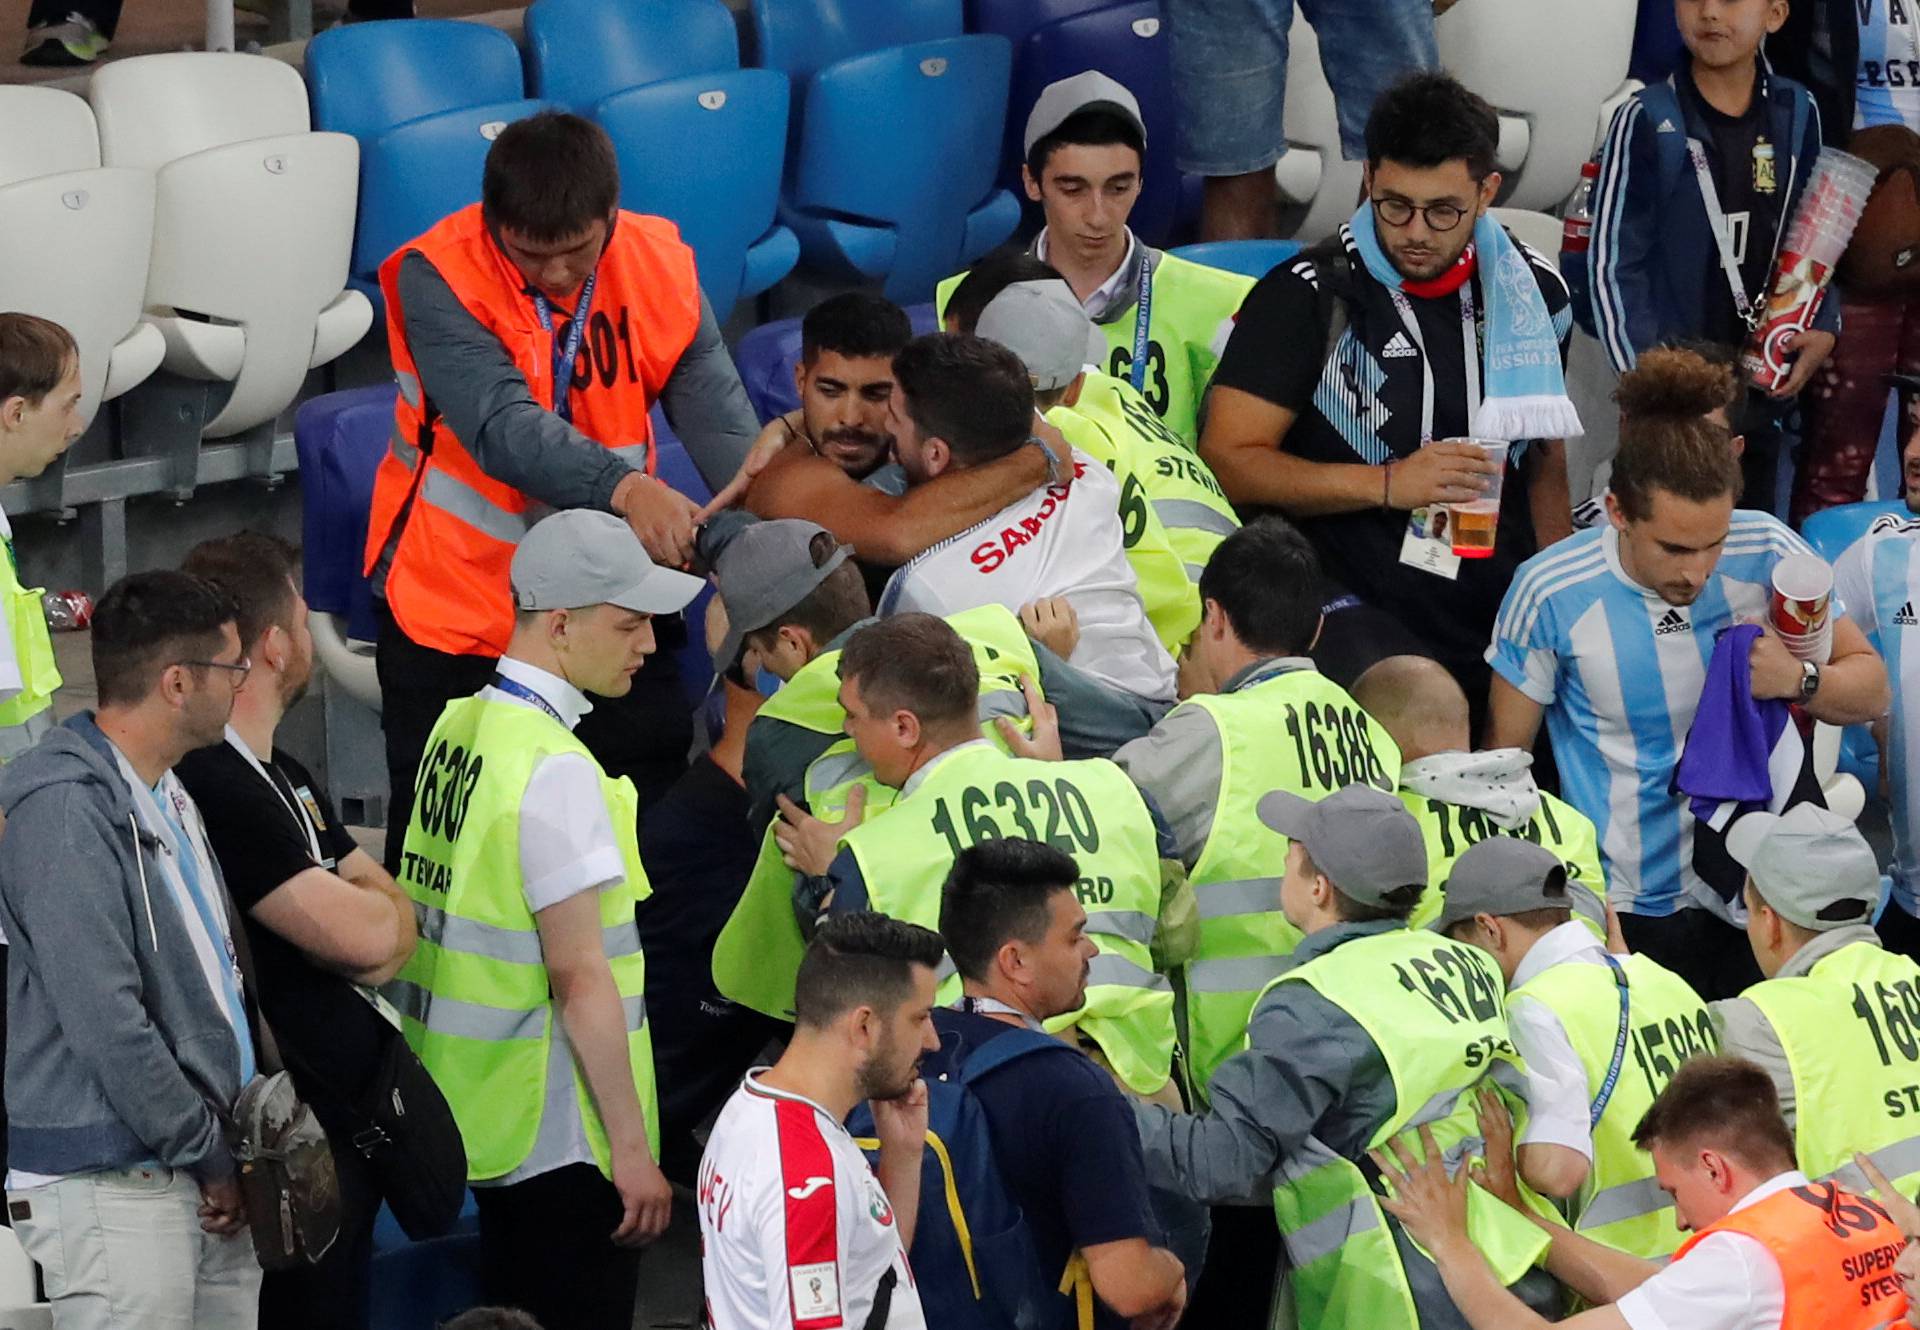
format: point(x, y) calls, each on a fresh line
point(117, 1051)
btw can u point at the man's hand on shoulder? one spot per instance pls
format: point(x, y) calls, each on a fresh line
point(772, 441)
point(661, 516)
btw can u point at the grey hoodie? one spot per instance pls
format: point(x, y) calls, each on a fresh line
point(117, 1052)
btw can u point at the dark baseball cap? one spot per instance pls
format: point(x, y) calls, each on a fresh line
point(762, 573)
point(1364, 840)
point(1503, 875)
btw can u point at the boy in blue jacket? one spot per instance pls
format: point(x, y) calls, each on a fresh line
point(1699, 177)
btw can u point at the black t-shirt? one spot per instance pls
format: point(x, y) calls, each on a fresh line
point(1362, 404)
point(1068, 1149)
point(1742, 159)
point(699, 850)
point(316, 1015)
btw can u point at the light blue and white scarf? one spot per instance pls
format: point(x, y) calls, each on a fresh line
point(1526, 389)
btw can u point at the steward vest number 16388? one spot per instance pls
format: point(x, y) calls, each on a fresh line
point(1334, 747)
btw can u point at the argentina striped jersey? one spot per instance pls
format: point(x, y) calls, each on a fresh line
point(1619, 671)
point(1878, 580)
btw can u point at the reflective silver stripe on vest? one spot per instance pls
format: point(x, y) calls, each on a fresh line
point(834, 770)
point(1192, 515)
point(17, 739)
point(467, 1020)
point(456, 498)
point(409, 388)
point(1896, 1161)
point(1629, 1200)
point(1237, 896)
point(404, 450)
point(1330, 1232)
point(1193, 572)
point(1234, 974)
point(474, 1020)
point(633, 454)
point(451, 932)
point(1002, 702)
point(1133, 925)
point(1119, 972)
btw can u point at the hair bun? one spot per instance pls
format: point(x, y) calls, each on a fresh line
point(1675, 383)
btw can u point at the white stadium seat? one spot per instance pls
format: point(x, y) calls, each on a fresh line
point(1311, 171)
point(77, 238)
point(1548, 67)
point(253, 222)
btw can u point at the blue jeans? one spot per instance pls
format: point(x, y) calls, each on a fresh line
point(1230, 71)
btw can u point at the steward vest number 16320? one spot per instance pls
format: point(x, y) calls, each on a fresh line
point(1053, 812)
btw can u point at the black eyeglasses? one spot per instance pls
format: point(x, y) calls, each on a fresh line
point(1438, 216)
point(242, 668)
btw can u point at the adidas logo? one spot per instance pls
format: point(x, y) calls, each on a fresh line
point(1397, 346)
point(1672, 622)
point(1905, 618)
point(1667, 127)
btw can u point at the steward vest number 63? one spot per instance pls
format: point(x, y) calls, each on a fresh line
point(445, 790)
point(1053, 812)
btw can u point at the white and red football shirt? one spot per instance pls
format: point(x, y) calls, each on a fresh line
point(1060, 540)
point(796, 1232)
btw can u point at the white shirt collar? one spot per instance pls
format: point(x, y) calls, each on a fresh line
point(913, 781)
point(1779, 1182)
point(562, 696)
point(1571, 941)
point(1102, 297)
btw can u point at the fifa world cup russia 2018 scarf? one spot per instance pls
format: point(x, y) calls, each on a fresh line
point(1526, 390)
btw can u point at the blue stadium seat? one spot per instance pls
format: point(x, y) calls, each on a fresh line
point(766, 357)
point(800, 37)
point(340, 439)
point(1128, 43)
point(1831, 531)
point(418, 172)
point(1014, 19)
point(365, 78)
point(420, 1284)
point(895, 173)
point(579, 51)
point(1251, 258)
point(707, 151)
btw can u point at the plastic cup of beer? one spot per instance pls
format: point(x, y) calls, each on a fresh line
point(1476, 521)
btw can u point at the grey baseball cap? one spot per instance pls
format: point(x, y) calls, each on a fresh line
point(1503, 875)
point(1364, 840)
point(1083, 92)
point(1047, 328)
point(581, 557)
point(1811, 865)
point(765, 571)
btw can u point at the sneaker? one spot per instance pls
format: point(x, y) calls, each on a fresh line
point(74, 44)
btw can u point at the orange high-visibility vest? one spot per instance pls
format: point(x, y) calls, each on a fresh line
point(457, 526)
point(1836, 1252)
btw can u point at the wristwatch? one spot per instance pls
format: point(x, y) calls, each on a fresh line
point(1809, 681)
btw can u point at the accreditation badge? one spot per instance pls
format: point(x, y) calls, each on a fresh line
point(1764, 181)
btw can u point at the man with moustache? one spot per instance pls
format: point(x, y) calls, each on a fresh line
point(827, 462)
point(1877, 581)
point(321, 914)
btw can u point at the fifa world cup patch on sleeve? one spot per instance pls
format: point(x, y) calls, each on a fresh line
point(816, 1291)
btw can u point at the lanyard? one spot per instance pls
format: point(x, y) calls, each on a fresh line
point(300, 816)
point(986, 1006)
point(1619, 1048)
point(564, 354)
point(1142, 317)
point(514, 688)
point(1722, 237)
point(1469, 353)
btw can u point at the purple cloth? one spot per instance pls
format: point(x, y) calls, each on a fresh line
point(1729, 749)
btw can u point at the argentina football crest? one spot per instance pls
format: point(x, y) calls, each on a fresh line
point(1348, 397)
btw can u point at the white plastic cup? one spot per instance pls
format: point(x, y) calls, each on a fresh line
point(1475, 523)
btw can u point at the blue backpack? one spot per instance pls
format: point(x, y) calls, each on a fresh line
point(974, 1262)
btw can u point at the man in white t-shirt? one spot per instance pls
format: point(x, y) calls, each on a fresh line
point(796, 1230)
point(963, 402)
point(1770, 1249)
